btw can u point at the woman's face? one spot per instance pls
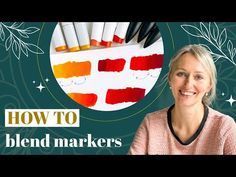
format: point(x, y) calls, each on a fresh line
point(189, 81)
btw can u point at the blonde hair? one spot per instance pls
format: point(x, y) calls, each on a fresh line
point(205, 58)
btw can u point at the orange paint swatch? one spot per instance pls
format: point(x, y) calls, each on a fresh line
point(85, 99)
point(71, 69)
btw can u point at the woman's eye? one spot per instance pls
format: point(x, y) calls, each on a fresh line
point(180, 74)
point(198, 77)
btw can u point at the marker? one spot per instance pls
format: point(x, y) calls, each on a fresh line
point(153, 36)
point(120, 32)
point(58, 39)
point(82, 35)
point(132, 30)
point(108, 33)
point(70, 35)
point(145, 29)
point(96, 35)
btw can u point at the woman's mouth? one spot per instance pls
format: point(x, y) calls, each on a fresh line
point(187, 93)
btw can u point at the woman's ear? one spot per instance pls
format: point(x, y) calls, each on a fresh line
point(209, 88)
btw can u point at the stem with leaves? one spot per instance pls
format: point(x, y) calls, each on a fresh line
point(16, 43)
point(213, 35)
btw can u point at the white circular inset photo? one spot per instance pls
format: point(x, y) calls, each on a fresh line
point(106, 66)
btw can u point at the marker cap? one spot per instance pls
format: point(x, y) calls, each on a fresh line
point(106, 44)
point(61, 48)
point(94, 42)
point(117, 39)
point(74, 49)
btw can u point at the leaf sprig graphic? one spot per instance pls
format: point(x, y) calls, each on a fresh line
point(14, 41)
point(217, 38)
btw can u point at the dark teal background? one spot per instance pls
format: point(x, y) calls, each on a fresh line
point(17, 91)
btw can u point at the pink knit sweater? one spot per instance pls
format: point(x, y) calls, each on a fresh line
point(155, 136)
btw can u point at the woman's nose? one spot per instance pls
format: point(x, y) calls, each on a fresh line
point(189, 81)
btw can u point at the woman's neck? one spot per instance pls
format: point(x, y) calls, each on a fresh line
point(186, 120)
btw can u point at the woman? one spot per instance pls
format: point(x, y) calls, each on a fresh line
point(189, 126)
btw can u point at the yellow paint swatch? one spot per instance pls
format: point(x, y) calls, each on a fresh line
point(71, 69)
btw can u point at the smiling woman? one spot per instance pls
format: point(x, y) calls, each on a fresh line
point(189, 126)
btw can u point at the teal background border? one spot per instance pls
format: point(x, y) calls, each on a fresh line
point(18, 92)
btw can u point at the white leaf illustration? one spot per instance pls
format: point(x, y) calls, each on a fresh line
point(2, 35)
point(14, 40)
point(222, 38)
point(23, 34)
point(216, 38)
point(24, 49)
point(16, 49)
point(17, 24)
point(31, 30)
point(8, 42)
point(205, 31)
point(192, 30)
point(34, 49)
point(234, 52)
point(216, 57)
point(230, 47)
point(214, 31)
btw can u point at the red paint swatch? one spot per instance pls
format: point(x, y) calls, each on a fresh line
point(128, 94)
point(85, 99)
point(146, 62)
point(109, 65)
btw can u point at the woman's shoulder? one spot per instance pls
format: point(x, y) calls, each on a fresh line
point(220, 117)
point(158, 112)
point(157, 115)
point(222, 125)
